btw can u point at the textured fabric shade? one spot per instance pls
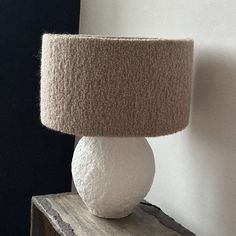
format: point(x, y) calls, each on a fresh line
point(108, 86)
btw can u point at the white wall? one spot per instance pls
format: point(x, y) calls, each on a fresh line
point(196, 169)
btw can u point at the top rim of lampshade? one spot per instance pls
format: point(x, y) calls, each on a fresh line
point(115, 38)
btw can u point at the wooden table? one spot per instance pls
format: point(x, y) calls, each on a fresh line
point(65, 214)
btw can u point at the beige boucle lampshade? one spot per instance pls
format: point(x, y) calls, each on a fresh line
point(113, 86)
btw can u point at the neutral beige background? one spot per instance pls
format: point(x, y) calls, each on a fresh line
point(196, 169)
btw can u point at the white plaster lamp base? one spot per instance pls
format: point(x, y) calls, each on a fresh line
point(112, 175)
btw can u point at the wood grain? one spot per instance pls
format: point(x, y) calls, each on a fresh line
point(69, 217)
point(40, 226)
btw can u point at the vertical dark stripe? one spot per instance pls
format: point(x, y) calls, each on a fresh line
point(33, 160)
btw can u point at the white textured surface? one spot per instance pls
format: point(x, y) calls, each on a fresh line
point(112, 175)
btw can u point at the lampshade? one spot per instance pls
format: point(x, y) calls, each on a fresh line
point(114, 86)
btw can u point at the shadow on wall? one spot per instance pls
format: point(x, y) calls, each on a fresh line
point(213, 128)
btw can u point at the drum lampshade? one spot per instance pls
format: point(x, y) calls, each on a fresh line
point(114, 86)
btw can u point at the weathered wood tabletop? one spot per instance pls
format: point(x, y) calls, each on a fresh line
point(65, 214)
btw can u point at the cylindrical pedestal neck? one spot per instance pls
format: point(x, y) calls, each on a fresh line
point(112, 175)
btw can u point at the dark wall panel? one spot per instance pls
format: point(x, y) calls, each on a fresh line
point(33, 160)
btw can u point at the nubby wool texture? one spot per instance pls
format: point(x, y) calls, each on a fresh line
point(111, 86)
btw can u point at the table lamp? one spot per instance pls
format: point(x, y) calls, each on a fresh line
point(114, 91)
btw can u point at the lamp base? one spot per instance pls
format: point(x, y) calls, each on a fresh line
point(112, 175)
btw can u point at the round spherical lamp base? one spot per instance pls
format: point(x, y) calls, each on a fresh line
point(112, 175)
